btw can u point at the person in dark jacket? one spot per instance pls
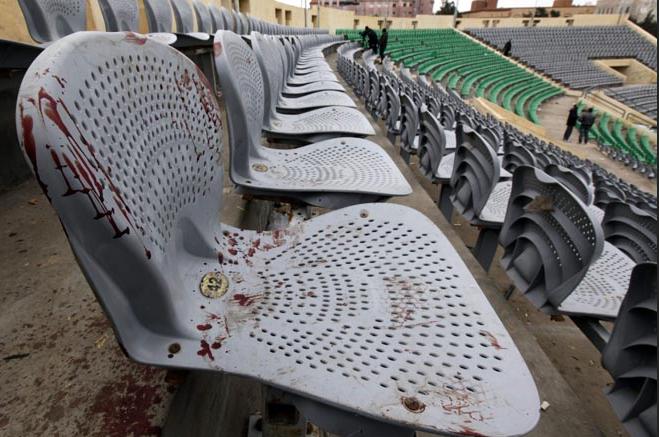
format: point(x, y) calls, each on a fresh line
point(572, 118)
point(507, 48)
point(372, 37)
point(384, 38)
point(587, 120)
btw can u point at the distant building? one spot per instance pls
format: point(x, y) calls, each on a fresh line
point(562, 11)
point(381, 8)
point(637, 9)
point(562, 4)
point(480, 5)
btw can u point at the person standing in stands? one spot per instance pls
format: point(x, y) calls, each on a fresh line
point(372, 38)
point(384, 38)
point(507, 48)
point(572, 118)
point(587, 120)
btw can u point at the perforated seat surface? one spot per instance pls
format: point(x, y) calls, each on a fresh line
point(336, 165)
point(598, 213)
point(312, 77)
point(369, 308)
point(49, 20)
point(340, 120)
point(415, 329)
point(601, 291)
point(317, 100)
point(495, 208)
point(313, 87)
point(445, 168)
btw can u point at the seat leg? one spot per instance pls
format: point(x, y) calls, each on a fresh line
point(405, 155)
point(486, 247)
point(509, 292)
point(280, 418)
point(444, 201)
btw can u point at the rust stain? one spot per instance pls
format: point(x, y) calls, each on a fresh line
point(413, 404)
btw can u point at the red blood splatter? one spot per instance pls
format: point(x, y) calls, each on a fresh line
point(217, 48)
point(251, 251)
point(204, 327)
point(256, 243)
point(205, 350)
point(60, 80)
point(220, 258)
point(492, 339)
point(470, 432)
point(232, 242)
point(124, 404)
point(27, 123)
point(245, 300)
point(134, 38)
point(232, 251)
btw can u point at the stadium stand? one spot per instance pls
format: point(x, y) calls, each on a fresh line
point(157, 206)
point(643, 98)
point(575, 237)
point(565, 53)
point(133, 166)
point(461, 64)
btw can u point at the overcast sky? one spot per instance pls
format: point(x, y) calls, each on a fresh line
point(464, 5)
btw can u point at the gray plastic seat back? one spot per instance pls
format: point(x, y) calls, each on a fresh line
point(134, 190)
point(409, 122)
point(204, 20)
point(227, 16)
point(244, 22)
point(216, 17)
point(549, 238)
point(434, 106)
point(630, 356)
point(432, 144)
point(631, 230)
point(120, 15)
point(393, 109)
point(606, 191)
point(515, 155)
point(242, 86)
point(574, 181)
point(475, 173)
point(237, 23)
point(271, 64)
point(158, 15)
point(490, 136)
point(448, 116)
point(184, 16)
point(50, 20)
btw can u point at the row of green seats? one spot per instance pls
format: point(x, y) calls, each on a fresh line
point(462, 64)
point(612, 131)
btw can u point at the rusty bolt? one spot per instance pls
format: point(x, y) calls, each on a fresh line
point(413, 404)
point(174, 348)
point(260, 167)
point(363, 213)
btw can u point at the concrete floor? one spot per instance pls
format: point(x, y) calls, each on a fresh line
point(62, 372)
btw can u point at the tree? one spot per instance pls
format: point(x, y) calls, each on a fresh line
point(541, 12)
point(448, 8)
point(554, 13)
point(649, 24)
